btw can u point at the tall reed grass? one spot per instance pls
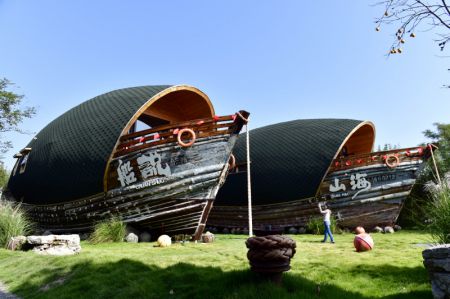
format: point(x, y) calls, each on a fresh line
point(111, 230)
point(315, 226)
point(438, 215)
point(13, 222)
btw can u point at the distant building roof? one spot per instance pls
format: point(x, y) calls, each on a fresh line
point(289, 160)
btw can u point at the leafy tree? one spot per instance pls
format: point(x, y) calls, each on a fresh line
point(11, 113)
point(415, 209)
point(4, 175)
point(441, 137)
point(387, 147)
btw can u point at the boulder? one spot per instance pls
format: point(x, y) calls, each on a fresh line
point(55, 244)
point(437, 263)
point(302, 230)
point(16, 243)
point(292, 230)
point(397, 227)
point(208, 237)
point(131, 238)
point(84, 236)
point(388, 230)
point(226, 231)
point(145, 237)
point(377, 229)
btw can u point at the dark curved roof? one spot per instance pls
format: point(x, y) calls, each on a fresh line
point(69, 156)
point(288, 160)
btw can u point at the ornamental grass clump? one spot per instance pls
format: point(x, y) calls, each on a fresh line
point(13, 222)
point(111, 230)
point(438, 214)
point(315, 226)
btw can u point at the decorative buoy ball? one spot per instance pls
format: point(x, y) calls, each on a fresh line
point(363, 242)
point(360, 230)
point(164, 241)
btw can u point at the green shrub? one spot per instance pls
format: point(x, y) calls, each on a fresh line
point(13, 222)
point(315, 226)
point(438, 215)
point(111, 230)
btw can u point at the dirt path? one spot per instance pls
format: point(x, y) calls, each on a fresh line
point(4, 294)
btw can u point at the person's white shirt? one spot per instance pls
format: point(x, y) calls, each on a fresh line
point(326, 213)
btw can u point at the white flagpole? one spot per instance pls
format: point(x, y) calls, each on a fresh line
point(249, 186)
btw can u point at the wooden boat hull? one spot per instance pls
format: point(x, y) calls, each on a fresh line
point(177, 201)
point(363, 192)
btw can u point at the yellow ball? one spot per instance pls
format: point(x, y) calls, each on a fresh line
point(164, 241)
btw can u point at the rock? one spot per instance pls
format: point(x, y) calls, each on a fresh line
point(302, 230)
point(226, 231)
point(47, 233)
point(208, 237)
point(388, 230)
point(145, 237)
point(245, 231)
point(437, 263)
point(397, 227)
point(131, 238)
point(233, 230)
point(55, 244)
point(292, 230)
point(16, 243)
point(164, 241)
point(377, 229)
point(84, 237)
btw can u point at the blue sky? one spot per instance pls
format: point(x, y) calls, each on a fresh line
point(280, 60)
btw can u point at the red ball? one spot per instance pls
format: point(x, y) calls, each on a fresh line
point(363, 242)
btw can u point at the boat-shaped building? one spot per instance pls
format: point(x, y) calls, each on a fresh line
point(153, 155)
point(297, 164)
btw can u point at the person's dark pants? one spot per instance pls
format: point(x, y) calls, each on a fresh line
point(327, 232)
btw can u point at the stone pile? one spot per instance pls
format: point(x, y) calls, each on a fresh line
point(47, 245)
point(437, 263)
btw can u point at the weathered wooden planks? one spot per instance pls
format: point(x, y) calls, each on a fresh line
point(359, 189)
point(163, 188)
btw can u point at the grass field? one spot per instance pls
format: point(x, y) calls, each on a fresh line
point(220, 270)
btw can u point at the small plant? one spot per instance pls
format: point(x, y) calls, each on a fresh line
point(13, 222)
point(315, 226)
point(437, 211)
point(111, 230)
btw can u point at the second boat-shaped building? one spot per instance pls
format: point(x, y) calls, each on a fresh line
point(297, 164)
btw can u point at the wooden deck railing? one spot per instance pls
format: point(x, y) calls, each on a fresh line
point(404, 154)
point(206, 127)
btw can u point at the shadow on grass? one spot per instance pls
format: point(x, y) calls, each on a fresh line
point(130, 279)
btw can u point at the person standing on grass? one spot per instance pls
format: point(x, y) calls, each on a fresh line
point(326, 222)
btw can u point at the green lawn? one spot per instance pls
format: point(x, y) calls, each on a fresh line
point(220, 270)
